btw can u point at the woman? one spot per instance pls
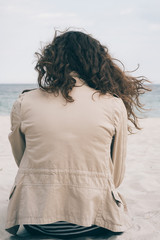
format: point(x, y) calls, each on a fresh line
point(69, 141)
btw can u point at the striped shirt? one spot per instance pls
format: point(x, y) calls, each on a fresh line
point(63, 229)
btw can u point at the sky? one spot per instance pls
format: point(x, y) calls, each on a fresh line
point(130, 29)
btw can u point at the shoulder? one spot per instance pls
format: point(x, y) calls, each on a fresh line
point(29, 94)
point(119, 104)
point(16, 108)
point(115, 105)
point(115, 102)
point(25, 93)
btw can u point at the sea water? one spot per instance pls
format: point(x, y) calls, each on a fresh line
point(10, 92)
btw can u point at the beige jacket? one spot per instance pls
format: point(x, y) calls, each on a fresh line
point(71, 159)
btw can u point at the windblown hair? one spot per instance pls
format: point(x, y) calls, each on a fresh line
point(79, 52)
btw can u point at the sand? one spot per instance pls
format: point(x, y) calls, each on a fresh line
point(141, 186)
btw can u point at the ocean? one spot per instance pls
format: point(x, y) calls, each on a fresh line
point(10, 92)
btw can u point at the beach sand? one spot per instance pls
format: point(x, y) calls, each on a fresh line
point(141, 186)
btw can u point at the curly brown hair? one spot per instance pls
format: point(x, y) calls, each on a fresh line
point(80, 52)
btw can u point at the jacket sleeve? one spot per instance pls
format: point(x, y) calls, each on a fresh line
point(119, 142)
point(16, 137)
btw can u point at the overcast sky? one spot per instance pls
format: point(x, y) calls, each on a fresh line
point(130, 29)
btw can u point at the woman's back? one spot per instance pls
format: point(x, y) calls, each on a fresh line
point(68, 135)
point(66, 169)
